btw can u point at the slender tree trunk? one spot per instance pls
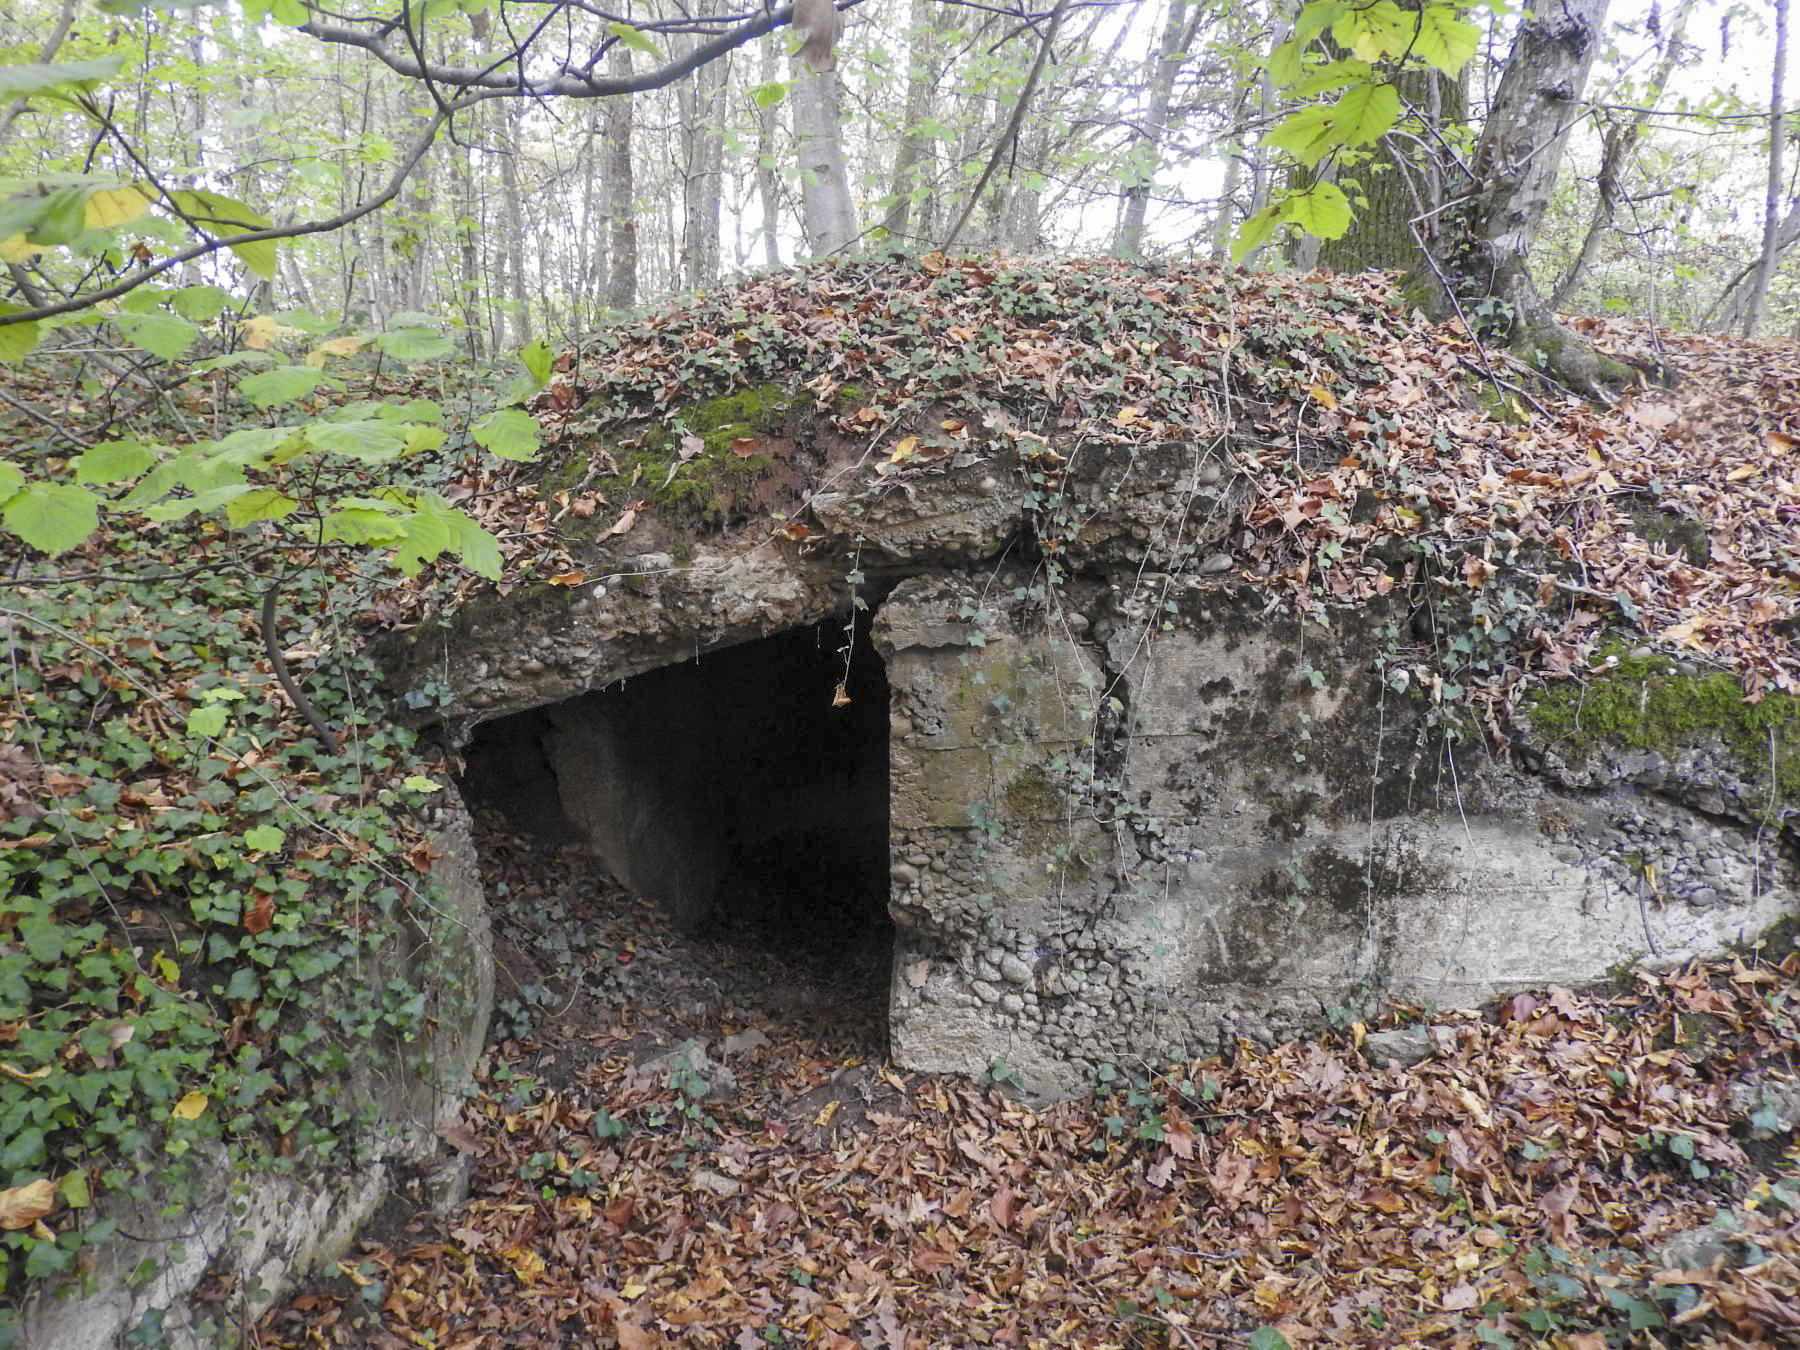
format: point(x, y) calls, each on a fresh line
point(826, 203)
point(766, 186)
point(1023, 228)
point(1615, 153)
point(1728, 311)
point(1765, 269)
point(924, 67)
point(1147, 149)
point(1261, 176)
point(621, 192)
point(1224, 222)
point(701, 101)
point(1485, 254)
point(515, 229)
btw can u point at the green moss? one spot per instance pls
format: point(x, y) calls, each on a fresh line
point(1775, 941)
point(849, 396)
point(1621, 975)
point(1643, 703)
point(762, 407)
point(1495, 401)
point(710, 485)
point(1673, 534)
point(1032, 796)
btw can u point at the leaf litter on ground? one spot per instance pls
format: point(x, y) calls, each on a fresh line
point(1515, 1187)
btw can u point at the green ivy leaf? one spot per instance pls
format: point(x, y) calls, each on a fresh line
point(419, 783)
point(75, 1192)
point(52, 517)
point(264, 839)
point(203, 723)
point(1267, 1338)
point(510, 433)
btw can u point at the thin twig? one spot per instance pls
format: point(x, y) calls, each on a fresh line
point(278, 662)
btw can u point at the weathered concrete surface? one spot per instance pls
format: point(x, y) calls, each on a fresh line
point(273, 1230)
point(1258, 831)
point(639, 802)
point(1141, 810)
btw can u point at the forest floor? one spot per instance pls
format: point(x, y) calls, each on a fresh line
point(787, 1186)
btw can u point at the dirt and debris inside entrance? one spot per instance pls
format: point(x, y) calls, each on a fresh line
point(744, 791)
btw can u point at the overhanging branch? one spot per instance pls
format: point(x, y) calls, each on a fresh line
point(401, 173)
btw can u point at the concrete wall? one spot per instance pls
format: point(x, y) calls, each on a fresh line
point(1114, 839)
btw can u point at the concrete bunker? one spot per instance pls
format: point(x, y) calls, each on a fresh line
point(744, 790)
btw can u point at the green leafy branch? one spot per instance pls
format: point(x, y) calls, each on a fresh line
point(1381, 39)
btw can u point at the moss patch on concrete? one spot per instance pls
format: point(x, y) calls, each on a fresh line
point(710, 486)
point(1032, 796)
point(1645, 703)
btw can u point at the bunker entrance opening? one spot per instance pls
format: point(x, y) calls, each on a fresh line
point(744, 791)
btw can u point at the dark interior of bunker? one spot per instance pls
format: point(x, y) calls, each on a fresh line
point(744, 792)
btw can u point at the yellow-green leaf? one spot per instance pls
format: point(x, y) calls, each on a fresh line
point(1445, 39)
point(110, 208)
point(1307, 135)
point(191, 1107)
point(1365, 113)
point(1376, 31)
point(1320, 210)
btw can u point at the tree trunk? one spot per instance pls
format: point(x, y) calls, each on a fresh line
point(468, 280)
point(924, 68)
point(515, 232)
point(700, 101)
point(621, 192)
point(1022, 230)
point(1400, 181)
point(1729, 309)
point(1765, 268)
point(766, 187)
point(829, 211)
point(1483, 255)
point(1615, 152)
point(1147, 149)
